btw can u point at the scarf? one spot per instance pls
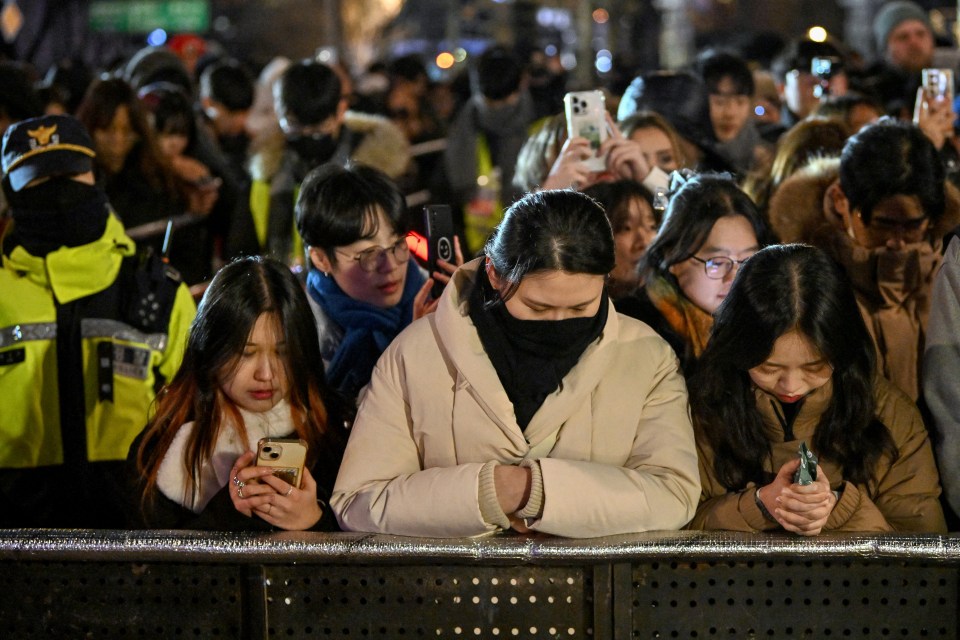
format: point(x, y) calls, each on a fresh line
point(894, 289)
point(531, 357)
point(741, 150)
point(172, 477)
point(689, 321)
point(368, 329)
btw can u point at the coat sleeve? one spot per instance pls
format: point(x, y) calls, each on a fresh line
point(656, 488)
point(941, 361)
point(722, 509)
point(184, 310)
point(908, 494)
point(382, 486)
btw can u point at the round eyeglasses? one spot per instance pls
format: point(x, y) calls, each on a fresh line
point(369, 259)
point(718, 268)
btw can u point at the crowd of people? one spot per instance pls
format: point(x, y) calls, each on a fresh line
point(735, 309)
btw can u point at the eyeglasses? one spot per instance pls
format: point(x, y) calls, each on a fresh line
point(910, 229)
point(369, 259)
point(718, 268)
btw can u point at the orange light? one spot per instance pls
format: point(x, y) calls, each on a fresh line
point(600, 16)
point(445, 60)
point(417, 245)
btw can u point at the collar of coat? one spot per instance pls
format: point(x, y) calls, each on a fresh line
point(72, 273)
point(807, 419)
point(460, 340)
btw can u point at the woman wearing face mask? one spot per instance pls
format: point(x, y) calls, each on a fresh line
point(789, 362)
point(711, 227)
point(525, 401)
point(883, 219)
point(363, 284)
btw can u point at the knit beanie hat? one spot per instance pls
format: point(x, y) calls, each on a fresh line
point(891, 15)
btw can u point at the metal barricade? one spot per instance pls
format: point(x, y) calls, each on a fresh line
point(167, 584)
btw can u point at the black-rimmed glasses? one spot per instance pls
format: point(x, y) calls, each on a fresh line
point(718, 268)
point(369, 259)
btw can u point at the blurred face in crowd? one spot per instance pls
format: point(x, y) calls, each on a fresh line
point(226, 122)
point(656, 147)
point(895, 222)
point(910, 46)
point(632, 237)
point(706, 276)
point(371, 270)
point(172, 144)
point(798, 92)
point(114, 143)
point(862, 115)
point(729, 110)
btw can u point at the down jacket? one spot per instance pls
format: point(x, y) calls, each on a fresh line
point(611, 451)
point(904, 496)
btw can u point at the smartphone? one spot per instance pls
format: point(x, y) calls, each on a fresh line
point(825, 67)
point(586, 118)
point(438, 222)
point(285, 455)
point(938, 84)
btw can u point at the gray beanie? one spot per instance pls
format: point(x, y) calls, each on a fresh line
point(891, 15)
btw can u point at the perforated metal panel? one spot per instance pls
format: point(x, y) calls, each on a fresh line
point(119, 600)
point(793, 599)
point(429, 601)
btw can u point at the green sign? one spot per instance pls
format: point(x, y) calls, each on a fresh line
point(141, 16)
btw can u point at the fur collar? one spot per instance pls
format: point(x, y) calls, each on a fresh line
point(173, 480)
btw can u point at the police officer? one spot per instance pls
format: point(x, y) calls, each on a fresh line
point(88, 333)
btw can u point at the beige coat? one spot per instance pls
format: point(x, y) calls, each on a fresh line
point(904, 497)
point(612, 450)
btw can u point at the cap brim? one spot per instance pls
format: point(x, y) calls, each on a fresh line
point(52, 163)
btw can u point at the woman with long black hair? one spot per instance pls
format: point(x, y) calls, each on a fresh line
point(790, 361)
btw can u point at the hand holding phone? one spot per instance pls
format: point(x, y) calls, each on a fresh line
point(285, 455)
point(438, 222)
point(586, 118)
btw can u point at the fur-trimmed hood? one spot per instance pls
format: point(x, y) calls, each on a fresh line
point(383, 146)
point(798, 212)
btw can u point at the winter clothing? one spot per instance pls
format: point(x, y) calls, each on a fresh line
point(941, 364)
point(79, 365)
point(278, 171)
point(610, 451)
point(903, 496)
point(892, 287)
point(681, 323)
point(891, 15)
point(360, 331)
point(210, 506)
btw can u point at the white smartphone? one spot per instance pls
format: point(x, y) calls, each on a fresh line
point(586, 118)
point(938, 83)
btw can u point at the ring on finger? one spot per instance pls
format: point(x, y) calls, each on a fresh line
point(237, 481)
point(269, 507)
point(289, 491)
point(240, 492)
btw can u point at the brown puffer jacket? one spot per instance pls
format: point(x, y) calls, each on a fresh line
point(893, 288)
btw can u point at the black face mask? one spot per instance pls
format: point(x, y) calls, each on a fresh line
point(313, 149)
point(57, 213)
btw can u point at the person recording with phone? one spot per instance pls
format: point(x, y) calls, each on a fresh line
point(790, 361)
point(251, 370)
point(364, 286)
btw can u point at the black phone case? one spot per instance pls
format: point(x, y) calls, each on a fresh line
point(438, 222)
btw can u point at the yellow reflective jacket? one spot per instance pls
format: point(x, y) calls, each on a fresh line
point(67, 345)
